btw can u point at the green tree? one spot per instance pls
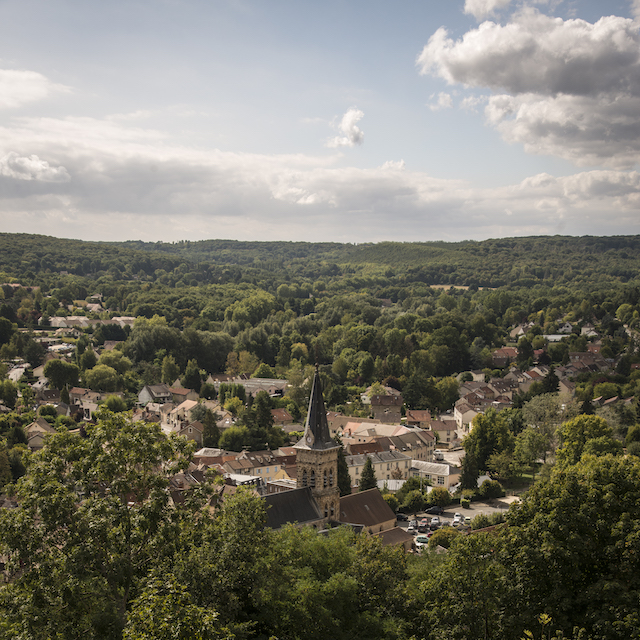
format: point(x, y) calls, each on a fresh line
point(115, 404)
point(170, 370)
point(60, 373)
point(571, 550)
point(489, 435)
point(102, 378)
point(344, 479)
point(575, 433)
point(191, 378)
point(367, 477)
point(165, 611)
point(93, 520)
point(439, 496)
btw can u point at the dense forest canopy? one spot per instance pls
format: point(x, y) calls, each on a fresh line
point(420, 318)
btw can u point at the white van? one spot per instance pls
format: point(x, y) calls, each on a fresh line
point(438, 455)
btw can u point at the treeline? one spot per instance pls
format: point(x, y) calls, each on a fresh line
point(95, 549)
point(519, 262)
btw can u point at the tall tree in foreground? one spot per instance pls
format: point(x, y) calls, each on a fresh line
point(94, 519)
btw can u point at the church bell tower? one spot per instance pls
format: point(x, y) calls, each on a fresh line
point(317, 456)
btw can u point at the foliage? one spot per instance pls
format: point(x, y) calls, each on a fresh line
point(443, 537)
point(367, 477)
point(574, 435)
point(572, 549)
point(93, 520)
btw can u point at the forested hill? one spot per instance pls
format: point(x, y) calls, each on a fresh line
point(489, 263)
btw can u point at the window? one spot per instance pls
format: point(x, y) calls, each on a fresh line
point(312, 483)
point(357, 471)
point(441, 480)
point(324, 480)
point(331, 481)
point(267, 470)
point(304, 478)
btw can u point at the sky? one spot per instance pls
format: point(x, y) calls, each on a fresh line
point(348, 121)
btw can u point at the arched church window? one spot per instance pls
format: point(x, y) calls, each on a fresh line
point(331, 477)
point(312, 484)
point(324, 479)
point(304, 478)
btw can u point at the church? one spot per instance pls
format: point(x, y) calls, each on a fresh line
point(316, 501)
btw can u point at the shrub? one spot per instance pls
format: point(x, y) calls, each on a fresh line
point(491, 489)
point(465, 503)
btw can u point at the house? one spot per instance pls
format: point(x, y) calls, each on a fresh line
point(157, 393)
point(36, 433)
point(181, 415)
point(440, 475)
point(193, 431)
point(463, 414)
point(445, 431)
point(180, 395)
point(386, 408)
point(386, 465)
point(418, 418)
point(281, 417)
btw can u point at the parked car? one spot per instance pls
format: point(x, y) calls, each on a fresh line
point(423, 527)
point(421, 541)
point(411, 528)
point(467, 520)
point(435, 523)
point(402, 516)
point(457, 520)
point(435, 510)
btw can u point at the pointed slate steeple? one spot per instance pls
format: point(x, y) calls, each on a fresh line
point(316, 428)
point(317, 456)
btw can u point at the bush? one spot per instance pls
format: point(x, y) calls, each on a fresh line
point(491, 489)
point(439, 496)
point(465, 503)
point(413, 502)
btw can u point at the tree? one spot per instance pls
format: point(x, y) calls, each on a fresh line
point(571, 550)
point(439, 496)
point(94, 519)
point(443, 537)
point(170, 370)
point(191, 378)
point(574, 434)
point(60, 373)
point(115, 404)
point(102, 378)
point(344, 479)
point(531, 446)
point(489, 435)
point(367, 477)
point(165, 611)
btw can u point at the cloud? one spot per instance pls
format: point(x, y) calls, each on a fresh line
point(444, 102)
point(351, 134)
point(20, 87)
point(570, 88)
point(635, 8)
point(129, 182)
point(31, 168)
point(482, 8)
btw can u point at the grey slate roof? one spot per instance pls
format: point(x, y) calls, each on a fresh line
point(316, 429)
point(296, 505)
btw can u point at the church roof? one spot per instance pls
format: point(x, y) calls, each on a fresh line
point(296, 505)
point(316, 429)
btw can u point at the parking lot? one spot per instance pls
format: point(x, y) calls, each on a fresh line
point(501, 505)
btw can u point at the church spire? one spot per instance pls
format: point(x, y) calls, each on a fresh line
point(316, 428)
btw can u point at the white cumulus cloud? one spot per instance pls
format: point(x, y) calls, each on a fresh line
point(20, 87)
point(352, 135)
point(31, 168)
point(563, 87)
point(444, 101)
point(482, 8)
